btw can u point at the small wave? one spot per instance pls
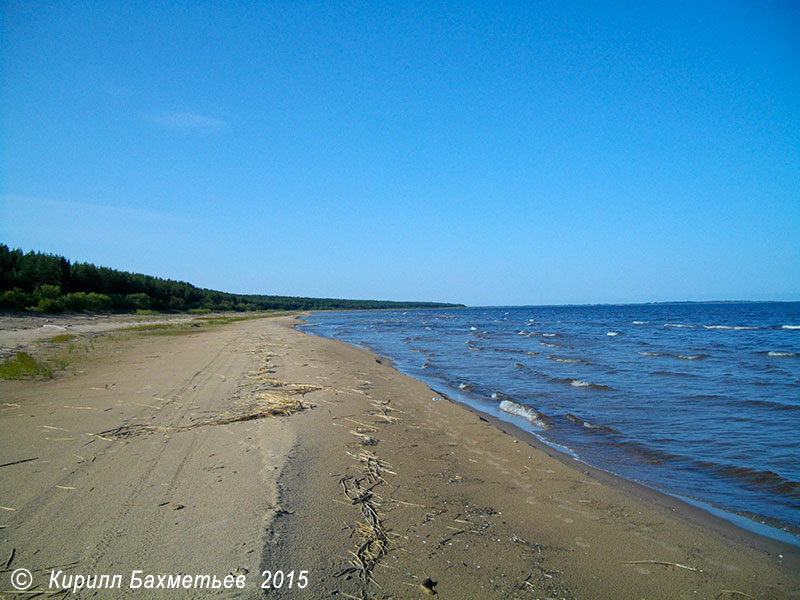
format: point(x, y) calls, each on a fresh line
point(561, 359)
point(790, 326)
point(508, 350)
point(763, 479)
point(589, 424)
point(473, 329)
point(463, 386)
point(549, 345)
point(641, 322)
point(672, 374)
point(712, 397)
point(586, 384)
point(549, 334)
point(679, 325)
point(613, 333)
point(767, 405)
point(534, 417)
point(680, 356)
point(781, 354)
point(731, 327)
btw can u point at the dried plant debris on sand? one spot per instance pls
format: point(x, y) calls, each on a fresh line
point(374, 539)
point(265, 405)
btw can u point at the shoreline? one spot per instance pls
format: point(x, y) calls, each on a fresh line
point(682, 508)
point(157, 453)
point(733, 525)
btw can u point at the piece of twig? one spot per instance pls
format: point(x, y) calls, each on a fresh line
point(16, 462)
point(364, 425)
point(735, 592)
point(659, 562)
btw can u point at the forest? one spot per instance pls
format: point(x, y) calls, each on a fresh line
point(47, 283)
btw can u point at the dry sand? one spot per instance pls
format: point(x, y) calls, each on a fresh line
point(153, 453)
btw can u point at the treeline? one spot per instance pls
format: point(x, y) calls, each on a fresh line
point(51, 284)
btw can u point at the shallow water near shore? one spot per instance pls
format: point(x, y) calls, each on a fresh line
point(696, 400)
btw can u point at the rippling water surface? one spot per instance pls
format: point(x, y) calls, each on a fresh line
point(698, 400)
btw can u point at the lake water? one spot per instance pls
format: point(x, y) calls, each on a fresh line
point(696, 400)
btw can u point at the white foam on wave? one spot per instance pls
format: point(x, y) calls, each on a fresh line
point(548, 335)
point(641, 322)
point(689, 356)
point(679, 325)
point(731, 327)
point(790, 326)
point(548, 345)
point(782, 354)
point(613, 333)
point(587, 384)
point(531, 415)
point(473, 329)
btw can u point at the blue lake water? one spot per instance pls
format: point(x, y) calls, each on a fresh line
point(697, 400)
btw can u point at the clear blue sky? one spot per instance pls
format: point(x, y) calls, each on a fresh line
point(484, 153)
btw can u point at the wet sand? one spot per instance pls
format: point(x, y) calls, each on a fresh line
point(157, 453)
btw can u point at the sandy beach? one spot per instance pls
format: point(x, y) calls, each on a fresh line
point(238, 449)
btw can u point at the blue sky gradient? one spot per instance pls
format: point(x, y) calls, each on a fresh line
point(522, 153)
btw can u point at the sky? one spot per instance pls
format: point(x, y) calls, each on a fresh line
point(486, 153)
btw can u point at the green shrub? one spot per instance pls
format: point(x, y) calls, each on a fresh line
point(23, 366)
point(50, 305)
point(138, 301)
point(64, 337)
point(14, 299)
point(75, 302)
point(52, 292)
point(98, 302)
